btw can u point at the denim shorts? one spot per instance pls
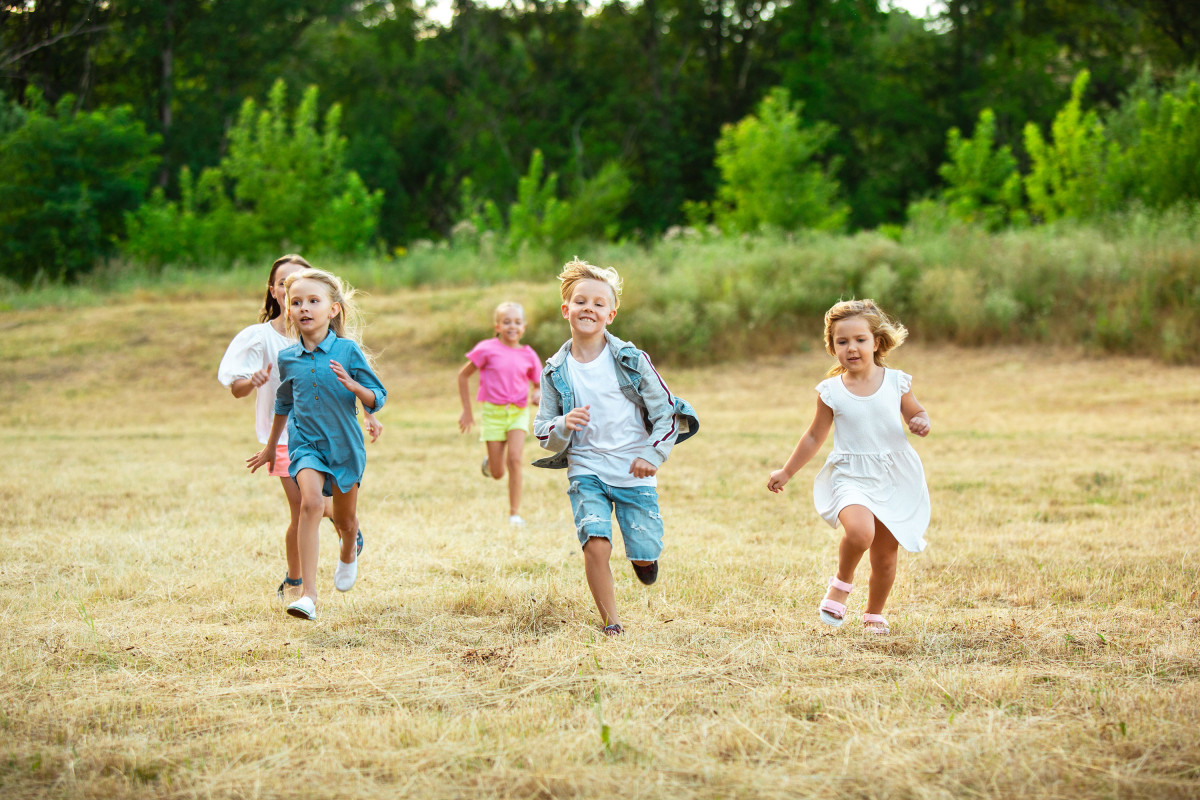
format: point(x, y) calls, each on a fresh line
point(593, 503)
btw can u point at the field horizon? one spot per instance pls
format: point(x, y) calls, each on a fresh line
point(1046, 644)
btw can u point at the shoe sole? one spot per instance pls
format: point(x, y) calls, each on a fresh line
point(831, 620)
point(299, 614)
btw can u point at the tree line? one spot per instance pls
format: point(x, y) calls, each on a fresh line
point(205, 130)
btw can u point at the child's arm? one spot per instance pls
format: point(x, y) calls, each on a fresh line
point(664, 427)
point(364, 383)
point(466, 419)
point(244, 386)
point(914, 414)
point(806, 448)
point(553, 428)
point(266, 456)
point(374, 426)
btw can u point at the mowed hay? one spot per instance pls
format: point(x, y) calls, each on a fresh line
point(1046, 644)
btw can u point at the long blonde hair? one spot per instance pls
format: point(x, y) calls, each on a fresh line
point(349, 323)
point(888, 332)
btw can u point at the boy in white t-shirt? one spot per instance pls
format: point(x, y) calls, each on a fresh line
point(610, 420)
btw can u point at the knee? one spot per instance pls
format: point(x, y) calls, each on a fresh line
point(859, 538)
point(514, 462)
point(597, 549)
point(312, 506)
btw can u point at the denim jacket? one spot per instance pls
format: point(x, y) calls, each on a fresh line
point(668, 419)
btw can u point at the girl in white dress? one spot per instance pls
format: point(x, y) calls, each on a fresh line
point(872, 481)
point(250, 365)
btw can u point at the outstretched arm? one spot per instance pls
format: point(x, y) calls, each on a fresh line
point(266, 456)
point(915, 415)
point(466, 419)
point(806, 448)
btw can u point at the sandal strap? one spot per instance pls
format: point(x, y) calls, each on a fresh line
point(833, 607)
point(614, 629)
point(874, 618)
point(841, 585)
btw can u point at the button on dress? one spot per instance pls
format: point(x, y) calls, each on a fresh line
point(872, 463)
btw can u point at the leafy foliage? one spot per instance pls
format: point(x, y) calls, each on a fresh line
point(771, 176)
point(983, 186)
point(282, 186)
point(66, 178)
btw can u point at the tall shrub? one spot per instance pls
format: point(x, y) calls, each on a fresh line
point(771, 172)
point(1161, 166)
point(282, 185)
point(982, 182)
point(66, 179)
point(1067, 174)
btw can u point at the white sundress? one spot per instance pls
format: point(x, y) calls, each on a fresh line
point(872, 463)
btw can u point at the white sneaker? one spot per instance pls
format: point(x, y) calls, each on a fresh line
point(345, 575)
point(515, 519)
point(304, 608)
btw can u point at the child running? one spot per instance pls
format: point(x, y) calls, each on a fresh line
point(321, 380)
point(506, 369)
point(249, 365)
point(872, 482)
point(611, 421)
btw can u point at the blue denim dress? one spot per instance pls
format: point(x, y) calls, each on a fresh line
point(323, 429)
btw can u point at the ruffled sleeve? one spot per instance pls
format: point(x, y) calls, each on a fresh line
point(825, 391)
point(904, 381)
point(243, 357)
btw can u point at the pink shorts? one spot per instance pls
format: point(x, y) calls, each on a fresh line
point(282, 462)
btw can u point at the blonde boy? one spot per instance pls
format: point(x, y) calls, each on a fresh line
point(610, 420)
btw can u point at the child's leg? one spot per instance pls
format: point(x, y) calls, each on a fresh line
point(495, 452)
point(858, 524)
point(312, 508)
point(884, 554)
point(345, 519)
point(292, 491)
point(600, 580)
point(516, 451)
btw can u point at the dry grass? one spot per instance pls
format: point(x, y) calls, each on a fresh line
point(1045, 644)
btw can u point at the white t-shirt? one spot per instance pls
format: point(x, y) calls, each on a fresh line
point(609, 443)
point(250, 351)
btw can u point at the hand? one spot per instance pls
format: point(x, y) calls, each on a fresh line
point(577, 418)
point(778, 480)
point(374, 427)
point(343, 377)
point(262, 458)
point(641, 468)
point(261, 377)
point(919, 424)
point(536, 397)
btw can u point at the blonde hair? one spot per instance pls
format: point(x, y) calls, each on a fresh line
point(507, 304)
point(576, 270)
point(348, 324)
point(888, 332)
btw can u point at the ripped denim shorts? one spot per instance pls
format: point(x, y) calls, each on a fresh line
point(593, 503)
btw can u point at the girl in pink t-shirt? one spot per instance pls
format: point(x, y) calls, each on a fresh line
point(506, 369)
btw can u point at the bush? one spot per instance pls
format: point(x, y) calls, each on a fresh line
point(280, 187)
point(983, 186)
point(67, 178)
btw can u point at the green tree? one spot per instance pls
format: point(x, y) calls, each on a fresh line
point(1156, 158)
point(771, 175)
point(66, 179)
point(282, 185)
point(982, 183)
point(1067, 174)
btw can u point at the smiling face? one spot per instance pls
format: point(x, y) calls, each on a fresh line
point(311, 310)
point(590, 308)
point(510, 325)
point(854, 345)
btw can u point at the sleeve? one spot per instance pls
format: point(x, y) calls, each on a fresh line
point(825, 392)
point(478, 355)
point(283, 395)
point(905, 382)
point(548, 425)
point(243, 357)
point(361, 371)
point(660, 404)
point(535, 367)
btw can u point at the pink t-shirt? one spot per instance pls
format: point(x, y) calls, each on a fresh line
point(505, 372)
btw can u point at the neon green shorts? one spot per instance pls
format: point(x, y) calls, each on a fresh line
point(499, 420)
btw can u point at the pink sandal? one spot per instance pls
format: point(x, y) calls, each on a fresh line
point(832, 612)
point(878, 630)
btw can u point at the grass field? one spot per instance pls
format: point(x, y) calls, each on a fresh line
point(1046, 644)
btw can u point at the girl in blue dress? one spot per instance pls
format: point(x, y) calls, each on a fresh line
point(322, 378)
